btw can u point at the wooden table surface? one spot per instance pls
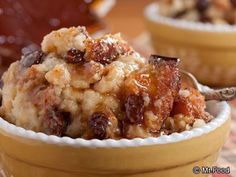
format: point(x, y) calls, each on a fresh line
point(127, 17)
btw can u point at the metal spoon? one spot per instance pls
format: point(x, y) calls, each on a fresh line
point(224, 94)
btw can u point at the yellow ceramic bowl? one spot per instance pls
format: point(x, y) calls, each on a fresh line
point(26, 153)
point(206, 50)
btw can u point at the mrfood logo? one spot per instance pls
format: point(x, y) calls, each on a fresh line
point(211, 170)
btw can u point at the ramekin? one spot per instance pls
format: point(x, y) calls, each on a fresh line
point(25, 153)
point(207, 50)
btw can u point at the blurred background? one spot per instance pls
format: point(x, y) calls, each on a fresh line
point(127, 17)
point(23, 23)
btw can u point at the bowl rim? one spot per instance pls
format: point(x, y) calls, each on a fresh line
point(151, 13)
point(222, 116)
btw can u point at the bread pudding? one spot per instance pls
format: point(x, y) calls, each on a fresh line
point(207, 11)
point(101, 88)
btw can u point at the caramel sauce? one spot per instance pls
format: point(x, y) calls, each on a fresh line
point(23, 23)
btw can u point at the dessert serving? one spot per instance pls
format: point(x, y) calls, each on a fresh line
point(200, 32)
point(82, 87)
point(207, 11)
point(84, 106)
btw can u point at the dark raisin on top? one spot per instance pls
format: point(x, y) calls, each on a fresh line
point(75, 56)
point(57, 121)
point(33, 58)
point(202, 5)
point(134, 109)
point(98, 123)
point(105, 50)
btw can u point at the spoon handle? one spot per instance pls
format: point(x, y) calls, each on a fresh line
point(225, 94)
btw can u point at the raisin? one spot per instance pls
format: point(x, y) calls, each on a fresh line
point(33, 58)
point(233, 2)
point(106, 50)
point(75, 56)
point(134, 109)
point(202, 5)
point(98, 123)
point(57, 121)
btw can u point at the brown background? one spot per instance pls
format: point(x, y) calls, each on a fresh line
point(127, 17)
